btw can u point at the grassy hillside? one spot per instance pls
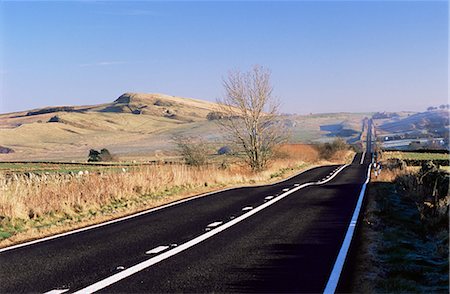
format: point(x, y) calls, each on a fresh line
point(139, 126)
point(429, 121)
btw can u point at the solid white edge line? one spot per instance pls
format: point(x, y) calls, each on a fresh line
point(149, 262)
point(362, 157)
point(333, 280)
point(146, 212)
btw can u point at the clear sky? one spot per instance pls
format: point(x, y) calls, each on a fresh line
point(325, 56)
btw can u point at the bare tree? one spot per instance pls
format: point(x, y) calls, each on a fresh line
point(251, 115)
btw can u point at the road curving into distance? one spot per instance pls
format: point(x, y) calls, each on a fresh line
point(276, 238)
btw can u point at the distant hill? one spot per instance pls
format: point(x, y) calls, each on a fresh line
point(412, 131)
point(140, 126)
point(431, 121)
point(155, 105)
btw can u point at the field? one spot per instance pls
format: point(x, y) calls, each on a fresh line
point(47, 168)
point(415, 155)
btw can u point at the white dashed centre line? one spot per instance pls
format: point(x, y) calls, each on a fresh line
point(214, 224)
point(57, 291)
point(157, 250)
point(247, 208)
point(268, 197)
point(286, 189)
point(156, 259)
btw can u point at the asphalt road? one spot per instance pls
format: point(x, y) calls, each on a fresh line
point(288, 246)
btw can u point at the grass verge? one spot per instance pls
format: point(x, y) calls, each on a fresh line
point(401, 247)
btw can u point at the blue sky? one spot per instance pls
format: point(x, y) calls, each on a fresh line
point(325, 56)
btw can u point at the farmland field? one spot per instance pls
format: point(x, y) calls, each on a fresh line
point(36, 167)
point(415, 155)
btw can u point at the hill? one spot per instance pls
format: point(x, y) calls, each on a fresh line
point(430, 121)
point(139, 126)
point(412, 131)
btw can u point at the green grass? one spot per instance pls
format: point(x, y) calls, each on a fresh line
point(415, 155)
point(59, 168)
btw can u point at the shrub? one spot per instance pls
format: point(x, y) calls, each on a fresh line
point(94, 156)
point(192, 150)
point(215, 115)
point(328, 150)
point(224, 150)
point(103, 155)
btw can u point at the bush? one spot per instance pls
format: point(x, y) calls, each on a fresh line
point(94, 156)
point(215, 115)
point(224, 150)
point(328, 150)
point(103, 155)
point(395, 163)
point(429, 189)
point(192, 150)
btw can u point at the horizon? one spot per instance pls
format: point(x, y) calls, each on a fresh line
point(184, 97)
point(325, 57)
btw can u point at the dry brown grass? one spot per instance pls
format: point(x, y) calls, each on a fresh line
point(307, 153)
point(54, 203)
point(390, 175)
point(25, 197)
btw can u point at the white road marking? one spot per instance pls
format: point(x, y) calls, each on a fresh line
point(214, 224)
point(140, 213)
point(147, 263)
point(247, 208)
point(333, 176)
point(333, 280)
point(120, 268)
point(269, 197)
point(285, 190)
point(57, 291)
point(157, 249)
point(362, 157)
point(296, 185)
